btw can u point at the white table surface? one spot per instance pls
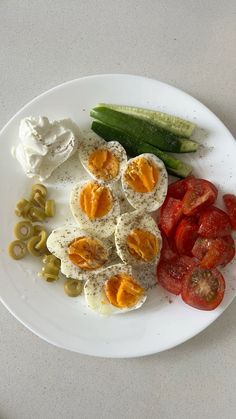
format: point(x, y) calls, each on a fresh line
point(187, 43)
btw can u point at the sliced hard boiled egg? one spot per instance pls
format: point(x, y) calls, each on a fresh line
point(145, 181)
point(103, 160)
point(147, 277)
point(138, 239)
point(95, 207)
point(80, 253)
point(114, 290)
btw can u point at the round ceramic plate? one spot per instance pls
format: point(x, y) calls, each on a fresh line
point(164, 321)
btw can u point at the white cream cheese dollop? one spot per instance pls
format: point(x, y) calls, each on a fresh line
point(45, 145)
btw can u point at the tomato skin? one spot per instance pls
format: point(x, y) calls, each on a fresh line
point(170, 274)
point(196, 240)
point(170, 214)
point(230, 252)
point(214, 252)
point(179, 188)
point(200, 194)
point(213, 222)
point(200, 247)
point(185, 235)
point(230, 203)
point(203, 288)
point(167, 250)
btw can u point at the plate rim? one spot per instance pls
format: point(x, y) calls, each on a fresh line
point(87, 352)
point(109, 355)
point(100, 75)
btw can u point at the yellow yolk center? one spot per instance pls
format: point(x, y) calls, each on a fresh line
point(103, 164)
point(87, 253)
point(142, 175)
point(123, 291)
point(95, 200)
point(143, 245)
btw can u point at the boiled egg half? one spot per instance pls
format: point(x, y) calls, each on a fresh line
point(95, 207)
point(114, 290)
point(138, 239)
point(80, 253)
point(145, 182)
point(103, 160)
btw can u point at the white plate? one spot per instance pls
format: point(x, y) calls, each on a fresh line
point(43, 307)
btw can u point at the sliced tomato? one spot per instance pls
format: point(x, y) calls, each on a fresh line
point(171, 212)
point(167, 251)
point(214, 252)
point(179, 188)
point(203, 288)
point(230, 203)
point(200, 248)
point(213, 222)
point(170, 273)
point(229, 253)
point(185, 235)
point(200, 194)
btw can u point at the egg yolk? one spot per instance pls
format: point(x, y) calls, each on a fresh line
point(103, 164)
point(87, 253)
point(142, 175)
point(143, 245)
point(95, 200)
point(123, 291)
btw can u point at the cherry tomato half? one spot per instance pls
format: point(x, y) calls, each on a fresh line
point(214, 252)
point(200, 194)
point(170, 274)
point(167, 251)
point(185, 235)
point(203, 288)
point(230, 203)
point(214, 222)
point(179, 188)
point(171, 212)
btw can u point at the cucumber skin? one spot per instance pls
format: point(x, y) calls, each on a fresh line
point(141, 129)
point(133, 148)
point(174, 124)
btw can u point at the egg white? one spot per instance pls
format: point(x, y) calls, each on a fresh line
point(103, 226)
point(95, 295)
point(94, 143)
point(147, 277)
point(125, 224)
point(58, 242)
point(149, 201)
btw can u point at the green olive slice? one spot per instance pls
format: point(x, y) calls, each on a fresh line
point(22, 208)
point(38, 228)
point(73, 287)
point(43, 235)
point(51, 259)
point(50, 208)
point(50, 268)
point(23, 230)
point(36, 214)
point(38, 199)
point(17, 249)
point(31, 246)
point(50, 272)
point(38, 187)
point(49, 277)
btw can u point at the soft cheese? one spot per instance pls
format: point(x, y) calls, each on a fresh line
point(45, 145)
